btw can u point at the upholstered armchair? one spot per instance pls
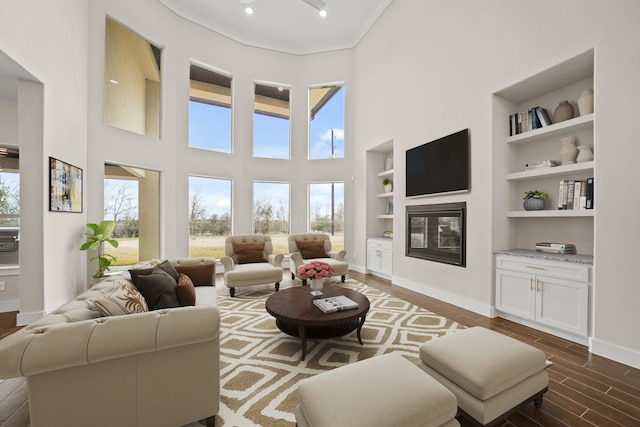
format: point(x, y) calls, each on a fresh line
point(309, 247)
point(249, 260)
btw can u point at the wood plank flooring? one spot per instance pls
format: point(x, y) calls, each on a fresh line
point(584, 389)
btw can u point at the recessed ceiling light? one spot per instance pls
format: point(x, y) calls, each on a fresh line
point(323, 13)
point(248, 10)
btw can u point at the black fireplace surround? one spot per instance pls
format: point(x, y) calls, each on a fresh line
point(437, 233)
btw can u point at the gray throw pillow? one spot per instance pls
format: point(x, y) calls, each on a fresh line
point(158, 289)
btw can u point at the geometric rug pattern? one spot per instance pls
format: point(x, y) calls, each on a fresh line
point(260, 366)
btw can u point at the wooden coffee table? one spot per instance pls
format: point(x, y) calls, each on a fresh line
point(296, 315)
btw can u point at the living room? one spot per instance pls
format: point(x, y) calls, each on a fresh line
point(446, 61)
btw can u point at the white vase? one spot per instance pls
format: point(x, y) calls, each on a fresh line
point(585, 153)
point(585, 102)
point(388, 163)
point(568, 150)
point(316, 285)
point(388, 188)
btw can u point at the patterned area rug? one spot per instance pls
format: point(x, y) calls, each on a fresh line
point(260, 365)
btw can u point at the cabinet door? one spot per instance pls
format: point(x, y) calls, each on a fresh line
point(515, 293)
point(386, 261)
point(562, 304)
point(373, 259)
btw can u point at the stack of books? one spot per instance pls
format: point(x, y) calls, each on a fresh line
point(556, 248)
point(574, 194)
point(333, 304)
point(524, 121)
point(540, 164)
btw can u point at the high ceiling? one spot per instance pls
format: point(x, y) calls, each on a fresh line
point(291, 26)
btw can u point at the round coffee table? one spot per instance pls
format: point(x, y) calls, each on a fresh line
point(296, 315)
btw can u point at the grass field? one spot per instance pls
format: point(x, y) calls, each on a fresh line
point(204, 246)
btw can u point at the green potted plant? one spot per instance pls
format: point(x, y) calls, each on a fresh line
point(388, 187)
point(534, 200)
point(98, 235)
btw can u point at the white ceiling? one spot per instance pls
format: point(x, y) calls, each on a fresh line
point(291, 26)
point(10, 73)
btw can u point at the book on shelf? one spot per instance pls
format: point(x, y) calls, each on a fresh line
point(540, 164)
point(576, 194)
point(525, 121)
point(589, 203)
point(557, 248)
point(572, 195)
point(571, 185)
point(333, 304)
point(543, 116)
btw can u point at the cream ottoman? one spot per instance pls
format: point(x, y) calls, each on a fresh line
point(492, 375)
point(382, 391)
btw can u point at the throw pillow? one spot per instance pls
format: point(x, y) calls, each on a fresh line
point(124, 299)
point(158, 289)
point(311, 249)
point(249, 252)
point(185, 291)
point(200, 274)
point(135, 273)
point(165, 265)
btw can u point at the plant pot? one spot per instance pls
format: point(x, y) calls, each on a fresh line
point(316, 285)
point(388, 188)
point(533, 204)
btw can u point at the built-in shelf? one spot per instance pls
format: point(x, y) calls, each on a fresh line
point(554, 130)
point(384, 174)
point(552, 213)
point(385, 217)
point(554, 171)
point(390, 194)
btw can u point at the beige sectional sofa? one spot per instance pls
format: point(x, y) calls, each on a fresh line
point(157, 368)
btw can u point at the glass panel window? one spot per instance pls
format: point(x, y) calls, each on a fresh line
point(326, 122)
point(326, 211)
point(131, 199)
point(271, 122)
point(271, 213)
point(209, 216)
point(209, 110)
point(131, 81)
point(9, 199)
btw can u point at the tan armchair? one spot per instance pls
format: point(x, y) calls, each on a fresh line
point(249, 260)
point(306, 247)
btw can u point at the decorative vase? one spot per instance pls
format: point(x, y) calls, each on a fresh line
point(585, 102)
point(533, 204)
point(564, 111)
point(388, 188)
point(585, 153)
point(568, 150)
point(316, 285)
point(388, 163)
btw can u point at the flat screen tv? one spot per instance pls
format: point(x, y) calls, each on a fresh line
point(439, 166)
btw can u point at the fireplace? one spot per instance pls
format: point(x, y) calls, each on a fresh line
point(437, 233)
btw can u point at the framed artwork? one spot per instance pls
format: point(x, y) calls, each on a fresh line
point(65, 187)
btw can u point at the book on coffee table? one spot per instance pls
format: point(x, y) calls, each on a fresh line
point(333, 304)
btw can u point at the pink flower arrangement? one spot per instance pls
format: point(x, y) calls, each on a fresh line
point(316, 270)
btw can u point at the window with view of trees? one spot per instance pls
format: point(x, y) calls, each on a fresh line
point(326, 211)
point(209, 216)
point(271, 213)
point(131, 199)
point(9, 199)
point(326, 122)
point(271, 122)
point(209, 110)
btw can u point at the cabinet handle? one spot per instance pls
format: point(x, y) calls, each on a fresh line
point(535, 267)
point(537, 285)
point(530, 284)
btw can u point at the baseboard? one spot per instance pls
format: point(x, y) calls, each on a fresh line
point(614, 352)
point(23, 319)
point(10, 305)
point(467, 304)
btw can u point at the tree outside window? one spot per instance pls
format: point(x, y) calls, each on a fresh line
point(326, 122)
point(326, 211)
point(271, 213)
point(209, 216)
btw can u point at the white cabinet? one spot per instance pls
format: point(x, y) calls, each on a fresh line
point(380, 256)
point(552, 294)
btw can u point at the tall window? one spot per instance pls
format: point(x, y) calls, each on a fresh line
point(271, 122)
point(209, 216)
point(131, 199)
point(271, 213)
point(209, 110)
point(9, 199)
point(131, 81)
point(326, 211)
point(326, 122)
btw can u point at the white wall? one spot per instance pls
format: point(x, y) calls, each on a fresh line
point(433, 67)
point(8, 122)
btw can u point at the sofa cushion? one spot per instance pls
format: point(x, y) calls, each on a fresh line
point(185, 291)
point(124, 299)
point(311, 248)
point(158, 289)
point(200, 274)
point(165, 265)
point(249, 252)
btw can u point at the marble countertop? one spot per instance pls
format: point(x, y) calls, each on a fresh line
point(528, 253)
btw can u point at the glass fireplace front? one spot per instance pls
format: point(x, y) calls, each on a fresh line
point(437, 232)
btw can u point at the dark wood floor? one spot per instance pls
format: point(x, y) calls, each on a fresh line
point(584, 390)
